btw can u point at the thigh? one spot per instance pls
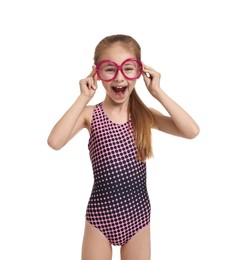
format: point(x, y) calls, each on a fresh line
point(95, 244)
point(138, 247)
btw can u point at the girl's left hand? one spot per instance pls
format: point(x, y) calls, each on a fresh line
point(152, 79)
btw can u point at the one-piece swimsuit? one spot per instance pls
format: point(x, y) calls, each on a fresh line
point(119, 204)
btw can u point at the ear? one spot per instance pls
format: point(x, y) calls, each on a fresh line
point(94, 67)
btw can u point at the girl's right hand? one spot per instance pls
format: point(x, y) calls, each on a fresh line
point(88, 85)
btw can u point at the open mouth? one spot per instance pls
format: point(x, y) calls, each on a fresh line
point(119, 90)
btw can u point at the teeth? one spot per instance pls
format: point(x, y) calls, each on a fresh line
point(119, 87)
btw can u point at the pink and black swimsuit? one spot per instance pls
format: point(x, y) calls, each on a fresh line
point(119, 204)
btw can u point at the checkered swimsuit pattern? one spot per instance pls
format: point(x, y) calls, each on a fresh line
point(119, 204)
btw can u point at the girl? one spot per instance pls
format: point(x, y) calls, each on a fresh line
point(118, 212)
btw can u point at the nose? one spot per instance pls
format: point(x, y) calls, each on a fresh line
point(119, 76)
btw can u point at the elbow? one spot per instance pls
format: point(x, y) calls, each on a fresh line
point(193, 133)
point(53, 144)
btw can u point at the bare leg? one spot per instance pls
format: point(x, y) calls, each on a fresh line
point(138, 248)
point(95, 244)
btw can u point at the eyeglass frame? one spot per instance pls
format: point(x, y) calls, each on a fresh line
point(119, 67)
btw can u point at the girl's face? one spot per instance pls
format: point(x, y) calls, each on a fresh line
point(120, 88)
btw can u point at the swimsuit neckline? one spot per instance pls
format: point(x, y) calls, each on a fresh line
point(108, 118)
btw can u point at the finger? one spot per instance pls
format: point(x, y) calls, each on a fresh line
point(93, 85)
point(147, 71)
point(151, 73)
point(95, 78)
point(93, 72)
point(146, 74)
point(88, 82)
point(146, 78)
point(145, 67)
point(93, 82)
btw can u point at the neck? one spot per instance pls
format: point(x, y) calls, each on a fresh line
point(117, 112)
point(109, 104)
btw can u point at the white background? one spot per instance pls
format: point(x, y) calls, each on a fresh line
point(195, 186)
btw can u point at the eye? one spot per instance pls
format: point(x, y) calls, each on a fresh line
point(110, 69)
point(129, 68)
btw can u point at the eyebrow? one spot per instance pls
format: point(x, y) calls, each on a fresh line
point(130, 63)
point(109, 64)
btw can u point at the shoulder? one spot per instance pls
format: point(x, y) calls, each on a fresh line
point(88, 110)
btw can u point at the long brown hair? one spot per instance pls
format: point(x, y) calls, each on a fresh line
point(142, 117)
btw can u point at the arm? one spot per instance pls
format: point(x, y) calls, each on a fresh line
point(179, 123)
point(77, 116)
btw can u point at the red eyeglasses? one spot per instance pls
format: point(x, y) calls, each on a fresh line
point(131, 69)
